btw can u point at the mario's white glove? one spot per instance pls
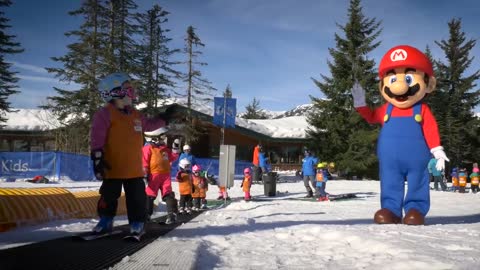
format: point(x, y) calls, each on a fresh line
point(440, 156)
point(358, 95)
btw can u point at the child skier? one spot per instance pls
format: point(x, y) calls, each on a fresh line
point(184, 178)
point(187, 155)
point(116, 151)
point(321, 182)
point(222, 193)
point(246, 183)
point(200, 188)
point(454, 176)
point(474, 180)
point(157, 160)
point(462, 180)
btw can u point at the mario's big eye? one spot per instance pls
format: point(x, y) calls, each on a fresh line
point(409, 79)
point(392, 79)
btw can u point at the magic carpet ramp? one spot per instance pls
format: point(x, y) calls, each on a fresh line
point(29, 206)
point(66, 253)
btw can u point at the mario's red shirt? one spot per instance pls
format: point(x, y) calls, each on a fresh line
point(429, 124)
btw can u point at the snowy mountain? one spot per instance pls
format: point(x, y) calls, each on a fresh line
point(300, 110)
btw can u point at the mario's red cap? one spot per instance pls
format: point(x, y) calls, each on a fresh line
point(407, 57)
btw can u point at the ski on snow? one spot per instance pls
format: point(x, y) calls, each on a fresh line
point(134, 237)
point(94, 236)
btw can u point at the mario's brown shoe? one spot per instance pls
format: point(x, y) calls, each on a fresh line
point(385, 216)
point(413, 217)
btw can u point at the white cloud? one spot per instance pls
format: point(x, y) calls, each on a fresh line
point(29, 67)
point(38, 79)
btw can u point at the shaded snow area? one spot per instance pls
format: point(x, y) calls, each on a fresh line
point(283, 233)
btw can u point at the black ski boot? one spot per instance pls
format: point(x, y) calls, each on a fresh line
point(150, 206)
point(309, 194)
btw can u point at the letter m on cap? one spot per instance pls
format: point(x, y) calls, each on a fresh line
point(398, 55)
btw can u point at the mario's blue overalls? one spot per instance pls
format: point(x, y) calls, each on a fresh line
point(403, 153)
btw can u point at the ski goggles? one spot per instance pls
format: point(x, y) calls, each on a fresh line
point(121, 92)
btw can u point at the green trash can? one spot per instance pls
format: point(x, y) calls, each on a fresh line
point(270, 184)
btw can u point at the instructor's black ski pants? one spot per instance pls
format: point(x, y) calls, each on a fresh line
point(135, 196)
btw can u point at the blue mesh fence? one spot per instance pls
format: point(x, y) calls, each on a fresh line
point(68, 166)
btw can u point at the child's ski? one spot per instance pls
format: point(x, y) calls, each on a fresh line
point(94, 236)
point(135, 237)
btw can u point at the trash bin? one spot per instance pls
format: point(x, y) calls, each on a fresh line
point(270, 184)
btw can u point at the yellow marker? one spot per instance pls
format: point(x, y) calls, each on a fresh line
point(418, 118)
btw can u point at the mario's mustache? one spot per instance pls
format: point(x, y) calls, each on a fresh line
point(412, 90)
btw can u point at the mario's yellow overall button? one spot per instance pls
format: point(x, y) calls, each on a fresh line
point(418, 118)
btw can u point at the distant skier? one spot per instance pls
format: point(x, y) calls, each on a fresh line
point(454, 176)
point(436, 174)
point(246, 183)
point(185, 186)
point(308, 168)
point(200, 188)
point(321, 179)
point(116, 150)
point(462, 180)
point(474, 180)
point(187, 155)
point(157, 161)
point(255, 161)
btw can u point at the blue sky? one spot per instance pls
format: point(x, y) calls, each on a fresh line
point(266, 49)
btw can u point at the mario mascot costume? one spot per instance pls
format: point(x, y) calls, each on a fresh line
point(409, 134)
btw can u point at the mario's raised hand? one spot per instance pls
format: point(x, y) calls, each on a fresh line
point(358, 95)
point(440, 156)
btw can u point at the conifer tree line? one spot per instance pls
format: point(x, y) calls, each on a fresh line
point(338, 134)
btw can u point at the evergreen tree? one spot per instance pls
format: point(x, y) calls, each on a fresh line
point(81, 65)
point(8, 78)
point(199, 90)
point(459, 128)
point(253, 110)
point(435, 99)
point(338, 132)
point(157, 75)
point(228, 92)
point(121, 54)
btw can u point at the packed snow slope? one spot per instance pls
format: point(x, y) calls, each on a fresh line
point(284, 233)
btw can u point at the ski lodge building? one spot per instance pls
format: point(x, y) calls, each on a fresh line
point(29, 130)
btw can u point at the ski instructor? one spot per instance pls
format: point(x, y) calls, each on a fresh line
point(409, 135)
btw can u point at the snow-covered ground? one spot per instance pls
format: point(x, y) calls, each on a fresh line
point(281, 233)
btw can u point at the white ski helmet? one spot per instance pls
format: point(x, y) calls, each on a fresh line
point(186, 147)
point(110, 82)
point(184, 164)
point(156, 135)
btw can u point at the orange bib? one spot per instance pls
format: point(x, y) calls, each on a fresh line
point(454, 181)
point(474, 180)
point(123, 146)
point(320, 177)
point(462, 181)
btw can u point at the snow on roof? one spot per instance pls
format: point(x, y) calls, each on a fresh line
point(293, 127)
point(30, 120)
